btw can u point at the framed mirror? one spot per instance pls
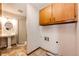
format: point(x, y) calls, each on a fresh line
point(8, 25)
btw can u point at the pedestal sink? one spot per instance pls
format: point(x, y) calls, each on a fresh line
point(9, 27)
point(8, 38)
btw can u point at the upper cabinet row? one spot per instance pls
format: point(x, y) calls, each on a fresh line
point(58, 13)
point(0, 9)
point(0, 15)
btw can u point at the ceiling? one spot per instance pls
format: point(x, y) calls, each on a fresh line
point(39, 5)
point(17, 8)
point(20, 8)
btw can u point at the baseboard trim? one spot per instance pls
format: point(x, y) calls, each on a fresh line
point(49, 51)
point(42, 49)
point(7, 46)
point(13, 44)
point(33, 51)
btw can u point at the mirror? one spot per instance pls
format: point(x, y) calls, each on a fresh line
point(8, 25)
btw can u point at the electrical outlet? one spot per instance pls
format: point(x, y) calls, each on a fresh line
point(46, 38)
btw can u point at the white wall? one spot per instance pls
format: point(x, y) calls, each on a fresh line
point(36, 33)
point(78, 33)
point(33, 32)
point(54, 33)
point(51, 32)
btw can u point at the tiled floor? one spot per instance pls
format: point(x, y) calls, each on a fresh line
point(38, 52)
point(41, 52)
point(14, 51)
point(20, 50)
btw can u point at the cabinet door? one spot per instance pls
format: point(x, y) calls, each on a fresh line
point(45, 15)
point(64, 12)
point(0, 19)
point(0, 9)
point(58, 12)
point(0, 28)
point(69, 11)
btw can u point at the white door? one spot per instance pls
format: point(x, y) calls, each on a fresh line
point(67, 39)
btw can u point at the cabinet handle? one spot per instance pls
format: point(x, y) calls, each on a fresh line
point(75, 16)
point(50, 19)
point(53, 19)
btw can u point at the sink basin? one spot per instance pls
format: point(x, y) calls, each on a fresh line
point(7, 35)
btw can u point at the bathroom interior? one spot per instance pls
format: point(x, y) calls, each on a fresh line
point(39, 29)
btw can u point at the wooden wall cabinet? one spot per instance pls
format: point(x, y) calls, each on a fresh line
point(0, 9)
point(45, 15)
point(0, 16)
point(0, 28)
point(58, 13)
